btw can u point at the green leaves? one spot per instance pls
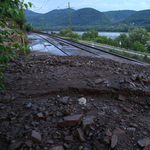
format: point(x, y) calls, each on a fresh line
point(30, 4)
point(26, 6)
point(13, 12)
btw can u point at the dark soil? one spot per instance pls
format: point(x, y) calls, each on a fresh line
point(44, 89)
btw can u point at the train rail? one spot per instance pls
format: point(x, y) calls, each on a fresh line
point(93, 50)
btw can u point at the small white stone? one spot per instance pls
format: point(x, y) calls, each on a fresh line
point(82, 101)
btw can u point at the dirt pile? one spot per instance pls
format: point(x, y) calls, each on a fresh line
point(57, 103)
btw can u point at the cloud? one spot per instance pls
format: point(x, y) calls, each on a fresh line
point(144, 5)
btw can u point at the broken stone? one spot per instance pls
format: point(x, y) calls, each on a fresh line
point(121, 97)
point(88, 121)
point(69, 121)
point(127, 109)
point(40, 115)
point(82, 101)
point(98, 81)
point(131, 129)
point(50, 142)
point(108, 133)
point(134, 77)
point(58, 114)
point(35, 137)
point(114, 141)
point(66, 145)
point(64, 100)
point(15, 145)
point(57, 148)
point(145, 142)
point(29, 105)
point(118, 131)
point(81, 135)
point(69, 138)
point(107, 140)
point(29, 143)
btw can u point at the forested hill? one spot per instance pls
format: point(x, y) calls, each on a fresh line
point(119, 15)
point(138, 18)
point(87, 17)
point(29, 13)
point(81, 17)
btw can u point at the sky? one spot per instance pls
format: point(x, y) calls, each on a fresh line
point(44, 6)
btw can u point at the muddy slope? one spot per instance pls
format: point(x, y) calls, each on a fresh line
point(58, 102)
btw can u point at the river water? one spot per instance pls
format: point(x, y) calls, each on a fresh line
point(111, 35)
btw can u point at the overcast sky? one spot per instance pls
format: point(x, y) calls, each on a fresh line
point(43, 6)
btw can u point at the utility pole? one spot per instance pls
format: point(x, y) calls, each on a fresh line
point(70, 20)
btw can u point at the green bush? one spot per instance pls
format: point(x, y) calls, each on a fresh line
point(148, 48)
point(137, 46)
point(28, 28)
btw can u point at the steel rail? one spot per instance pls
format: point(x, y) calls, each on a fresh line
point(53, 44)
point(79, 46)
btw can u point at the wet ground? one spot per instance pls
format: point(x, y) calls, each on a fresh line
point(74, 103)
point(40, 43)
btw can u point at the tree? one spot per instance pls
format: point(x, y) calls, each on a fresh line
point(9, 9)
point(140, 35)
point(137, 46)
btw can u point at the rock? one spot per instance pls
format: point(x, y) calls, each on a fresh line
point(64, 100)
point(15, 146)
point(29, 143)
point(145, 148)
point(131, 129)
point(80, 134)
point(66, 145)
point(106, 140)
point(98, 81)
point(145, 142)
point(69, 138)
point(69, 121)
point(121, 97)
point(114, 141)
point(127, 109)
point(134, 77)
point(33, 123)
point(29, 105)
point(108, 133)
point(40, 115)
point(57, 148)
point(35, 137)
point(82, 101)
point(118, 131)
point(50, 142)
point(88, 121)
point(58, 114)
point(7, 98)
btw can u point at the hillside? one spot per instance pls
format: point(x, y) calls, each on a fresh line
point(119, 15)
point(138, 18)
point(81, 17)
point(29, 13)
point(89, 16)
point(53, 18)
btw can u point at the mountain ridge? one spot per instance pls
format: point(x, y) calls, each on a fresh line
point(87, 17)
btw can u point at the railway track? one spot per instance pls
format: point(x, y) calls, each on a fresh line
point(87, 48)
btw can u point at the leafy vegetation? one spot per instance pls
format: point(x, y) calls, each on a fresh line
point(135, 40)
point(11, 12)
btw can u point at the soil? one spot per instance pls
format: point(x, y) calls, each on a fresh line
point(108, 101)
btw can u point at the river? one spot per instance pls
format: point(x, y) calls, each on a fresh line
point(111, 35)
